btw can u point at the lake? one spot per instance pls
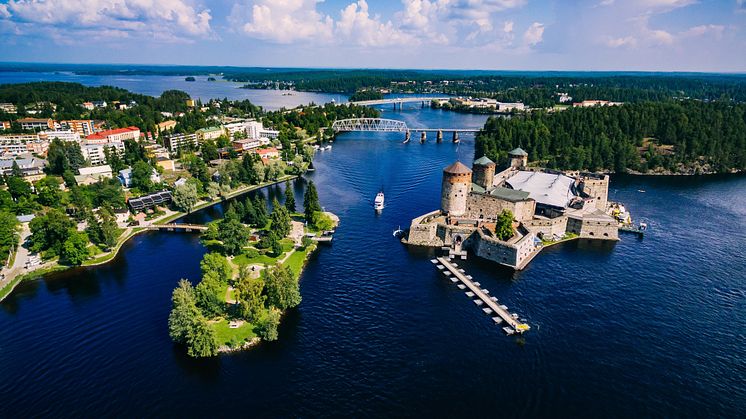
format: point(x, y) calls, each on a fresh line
point(642, 327)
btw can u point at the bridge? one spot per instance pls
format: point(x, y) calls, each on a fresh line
point(396, 101)
point(392, 125)
point(178, 227)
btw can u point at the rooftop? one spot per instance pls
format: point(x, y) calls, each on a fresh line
point(517, 152)
point(457, 168)
point(104, 134)
point(484, 161)
point(545, 188)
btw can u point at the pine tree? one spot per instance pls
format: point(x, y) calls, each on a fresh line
point(289, 198)
point(310, 202)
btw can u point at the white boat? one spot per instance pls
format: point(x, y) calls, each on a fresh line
point(328, 147)
point(378, 203)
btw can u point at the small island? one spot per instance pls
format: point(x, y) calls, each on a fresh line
point(366, 94)
point(190, 78)
point(250, 276)
point(211, 79)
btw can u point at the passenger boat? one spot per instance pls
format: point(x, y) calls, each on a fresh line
point(378, 203)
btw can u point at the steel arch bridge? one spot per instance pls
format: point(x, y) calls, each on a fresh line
point(369, 124)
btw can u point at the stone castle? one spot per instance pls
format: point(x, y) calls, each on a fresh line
point(547, 206)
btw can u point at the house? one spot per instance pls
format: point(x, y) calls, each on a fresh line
point(83, 127)
point(244, 145)
point(8, 108)
point(4, 125)
point(125, 177)
point(91, 175)
point(99, 103)
point(180, 182)
point(114, 135)
point(88, 106)
point(210, 133)
point(268, 153)
point(36, 123)
point(166, 126)
point(31, 167)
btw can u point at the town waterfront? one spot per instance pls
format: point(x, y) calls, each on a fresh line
point(650, 327)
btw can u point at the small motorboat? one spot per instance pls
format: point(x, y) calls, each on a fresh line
point(378, 203)
point(398, 232)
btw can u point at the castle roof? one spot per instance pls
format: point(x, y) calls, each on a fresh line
point(518, 152)
point(457, 168)
point(483, 161)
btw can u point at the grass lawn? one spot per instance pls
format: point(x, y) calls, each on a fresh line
point(233, 337)
point(296, 260)
point(243, 260)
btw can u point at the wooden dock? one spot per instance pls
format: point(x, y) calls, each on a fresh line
point(482, 297)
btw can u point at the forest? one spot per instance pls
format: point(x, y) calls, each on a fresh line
point(685, 137)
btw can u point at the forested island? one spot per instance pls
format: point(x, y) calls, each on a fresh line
point(362, 95)
point(689, 137)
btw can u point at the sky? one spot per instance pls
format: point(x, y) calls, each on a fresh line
point(639, 35)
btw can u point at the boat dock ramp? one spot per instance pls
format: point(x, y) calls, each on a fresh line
point(480, 296)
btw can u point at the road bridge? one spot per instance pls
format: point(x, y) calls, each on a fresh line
point(178, 227)
point(392, 125)
point(396, 101)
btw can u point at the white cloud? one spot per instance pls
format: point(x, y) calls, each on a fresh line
point(356, 25)
point(285, 21)
point(534, 34)
point(627, 41)
point(161, 19)
point(508, 26)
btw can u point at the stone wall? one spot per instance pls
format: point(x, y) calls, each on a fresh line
point(548, 227)
point(422, 232)
point(593, 228)
point(598, 189)
point(486, 206)
point(483, 175)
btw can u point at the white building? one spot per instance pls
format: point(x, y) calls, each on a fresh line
point(8, 108)
point(16, 144)
point(90, 175)
point(95, 153)
point(64, 135)
point(175, 142)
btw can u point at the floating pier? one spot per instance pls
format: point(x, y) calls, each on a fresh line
point(482, 297)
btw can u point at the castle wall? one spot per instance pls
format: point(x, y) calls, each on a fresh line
point(593, 228)
point(501, 252)
point(423, 232)
point(548, 227)
point(489, 207)
point(599, 190)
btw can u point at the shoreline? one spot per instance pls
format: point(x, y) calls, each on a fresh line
point(51, 267)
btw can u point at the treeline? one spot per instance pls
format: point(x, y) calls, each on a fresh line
point(312, 118)
point(686, 137)
point(370, 94)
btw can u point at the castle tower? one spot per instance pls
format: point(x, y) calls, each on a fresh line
point(484, 172)
point(456, 188)
point(518, 158)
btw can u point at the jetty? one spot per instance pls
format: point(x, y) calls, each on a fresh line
point(481, 296)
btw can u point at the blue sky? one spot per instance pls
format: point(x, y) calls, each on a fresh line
point(665, 35)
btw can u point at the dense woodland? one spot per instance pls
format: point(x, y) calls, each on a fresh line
point(686, 137)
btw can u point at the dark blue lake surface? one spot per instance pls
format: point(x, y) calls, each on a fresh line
point(651, 327)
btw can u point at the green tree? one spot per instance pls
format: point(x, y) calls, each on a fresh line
point(109, 229)
point(208, 295)
point(267, 327)
point(310, 202)
point(280, 219)
point(48, 191)
point(183, 312)
point(18, 187)
point(504, 225)
point(185, 197)
point(249, 294)
point(218, 264)
point(260, 210)
point(289, 198)
point(49, 231)
point(233, 234)
point(283, 291)
point(9, 232)
point(201, 339)
point(141, 173)
point(75, 249)
point(322, 221)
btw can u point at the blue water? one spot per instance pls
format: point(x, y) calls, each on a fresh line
point(651, 327)
point(199, 89)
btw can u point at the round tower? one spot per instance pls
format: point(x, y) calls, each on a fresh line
point(518, 158)
point(484, 172)
point(456, 188)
